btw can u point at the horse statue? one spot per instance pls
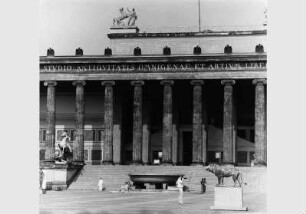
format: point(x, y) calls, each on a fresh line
point(125, 15)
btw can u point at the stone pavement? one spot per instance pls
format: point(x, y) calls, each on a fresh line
point(95, 202)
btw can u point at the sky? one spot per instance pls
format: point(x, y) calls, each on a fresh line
point(66, 25)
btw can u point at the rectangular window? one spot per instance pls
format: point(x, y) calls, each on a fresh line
point(85, 155)
point(252, 156)
point(43, 135)
point(89, 135)
point(242, 157)
point(101, 133)
point(72, 137)
point(41, 154)
point(96, 155)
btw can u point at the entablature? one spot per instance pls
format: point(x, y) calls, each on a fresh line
point(153, 67)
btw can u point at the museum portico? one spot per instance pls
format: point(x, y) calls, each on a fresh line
point(180, 103)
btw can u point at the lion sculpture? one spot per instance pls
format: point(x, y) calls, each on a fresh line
point(225, 171)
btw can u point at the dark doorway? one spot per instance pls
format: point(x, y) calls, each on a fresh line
point(187, 148)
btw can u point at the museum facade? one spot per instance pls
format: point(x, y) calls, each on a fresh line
point(159, 98)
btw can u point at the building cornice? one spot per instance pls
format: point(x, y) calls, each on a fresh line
point(207, 33)
point(152, 58)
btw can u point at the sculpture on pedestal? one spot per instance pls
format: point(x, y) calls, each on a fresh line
point(65, 153)
point(126, 18)
point(225, 171)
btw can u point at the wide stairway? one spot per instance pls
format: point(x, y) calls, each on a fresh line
point(116, 175)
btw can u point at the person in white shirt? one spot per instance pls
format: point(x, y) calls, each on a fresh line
point(180, 185)
point(100, 184)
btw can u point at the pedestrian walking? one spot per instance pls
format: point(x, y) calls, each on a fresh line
point(180, 185)
point(100, 184)
point(203, 185)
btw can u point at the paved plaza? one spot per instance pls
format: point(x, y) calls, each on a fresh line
point(95, 202)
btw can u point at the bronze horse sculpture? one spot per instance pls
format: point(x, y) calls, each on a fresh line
point(225, 171)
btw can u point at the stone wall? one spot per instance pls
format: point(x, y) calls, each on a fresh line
point(185, 45)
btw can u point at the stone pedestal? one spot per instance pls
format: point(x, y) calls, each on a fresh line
point(124, 29)
point(228, 198)
point(59, 176)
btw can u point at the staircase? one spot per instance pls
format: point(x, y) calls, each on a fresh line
point(116, 175)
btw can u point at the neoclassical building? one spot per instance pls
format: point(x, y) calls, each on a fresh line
point(170, 98)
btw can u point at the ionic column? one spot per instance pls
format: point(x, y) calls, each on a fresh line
point(197, 122)
point(137, 121)
point(260, 122)
point(50, 132)
point(167, 122)
point(228, 122)
point(78, 147)
point(108, 121)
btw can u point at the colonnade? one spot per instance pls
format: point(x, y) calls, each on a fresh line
point(169, 144)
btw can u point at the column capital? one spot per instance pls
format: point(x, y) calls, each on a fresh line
point(52, 83)
point(78, 82)
point(262, 81)
point(197, 82)
point(167, 82)
point(228, 82)
point(108, 83)
point(137, 82)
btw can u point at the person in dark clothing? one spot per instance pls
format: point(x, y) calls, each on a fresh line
point(203, 185)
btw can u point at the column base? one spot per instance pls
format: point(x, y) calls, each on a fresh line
point(197, 164)
point(107, 163)
point(116, 164)
point(167, 163)
point(137, 163)
point(260, 164)
point(228, 163)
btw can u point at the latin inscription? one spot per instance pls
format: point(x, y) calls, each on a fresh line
point(154, 67)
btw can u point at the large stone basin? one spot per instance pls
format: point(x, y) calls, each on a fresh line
point(154, 178)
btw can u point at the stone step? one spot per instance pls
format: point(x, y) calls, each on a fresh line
point(114, 176)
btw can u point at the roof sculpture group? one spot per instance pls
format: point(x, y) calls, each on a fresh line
point(127, 18)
